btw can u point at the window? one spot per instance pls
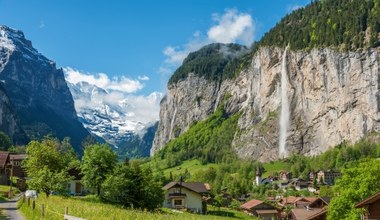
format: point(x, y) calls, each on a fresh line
point(177, 190)
point(16, 163)
point(178, 202)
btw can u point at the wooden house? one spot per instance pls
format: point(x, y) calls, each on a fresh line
point(260, 209)
point(372, 206)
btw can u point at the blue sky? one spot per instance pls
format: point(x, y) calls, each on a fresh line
point(136, 44)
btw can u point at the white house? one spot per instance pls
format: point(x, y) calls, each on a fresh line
point(75, 187)
point(182, 195)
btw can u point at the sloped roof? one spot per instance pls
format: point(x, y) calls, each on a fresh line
point(324, 199)
point(369, 200)
point(194, 186)
point(251, 204)
point(318, 214)
point(4, 156)
point(302, 214)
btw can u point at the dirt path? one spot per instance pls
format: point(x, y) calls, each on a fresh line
point(9, 208)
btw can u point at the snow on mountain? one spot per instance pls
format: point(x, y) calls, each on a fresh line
point(118, 117)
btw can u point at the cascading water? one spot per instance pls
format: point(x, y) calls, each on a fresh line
point(284, 117)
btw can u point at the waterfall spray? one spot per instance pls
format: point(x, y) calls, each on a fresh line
point(284, 117)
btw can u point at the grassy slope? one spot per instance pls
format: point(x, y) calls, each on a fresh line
point(91, 209)
point(275, 166)
point(192, 166)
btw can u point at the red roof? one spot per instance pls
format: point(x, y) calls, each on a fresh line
point(369, 200)
point(251, 204)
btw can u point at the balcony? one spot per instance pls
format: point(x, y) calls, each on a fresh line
point(177, 195)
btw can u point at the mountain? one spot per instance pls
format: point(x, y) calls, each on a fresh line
point(112, 116)
point(330, 83)
point(37, 101)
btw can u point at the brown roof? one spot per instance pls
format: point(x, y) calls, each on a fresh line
point(325, 200)
point(195, 186)
point(4, 156)
point(251, 204)
point(318, 214)
point(369, 200)
point(304, 213)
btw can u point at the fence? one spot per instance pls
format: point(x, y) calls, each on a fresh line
point(31, 203)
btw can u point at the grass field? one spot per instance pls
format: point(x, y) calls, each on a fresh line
point(192, 166)
point(90, 208)
point(277, 166)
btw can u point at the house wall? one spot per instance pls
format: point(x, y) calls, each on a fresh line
point(72, 185)
point(374, 210)
point(192, 200)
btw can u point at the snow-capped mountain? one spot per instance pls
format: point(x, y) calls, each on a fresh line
point(125, 121)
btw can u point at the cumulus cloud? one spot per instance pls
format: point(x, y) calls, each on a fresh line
point(231, 27)
point(96, 91)
point(122, 84)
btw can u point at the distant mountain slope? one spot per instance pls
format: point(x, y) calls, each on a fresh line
point(37, 91)
point(113, 118)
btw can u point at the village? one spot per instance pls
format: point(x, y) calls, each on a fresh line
point(197, 197)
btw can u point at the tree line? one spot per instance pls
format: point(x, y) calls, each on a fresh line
point(129, 184)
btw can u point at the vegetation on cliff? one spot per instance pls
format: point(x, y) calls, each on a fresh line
point(348, 25)
point(213, 62)
point(209, 140)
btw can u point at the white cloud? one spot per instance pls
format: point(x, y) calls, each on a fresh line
point(143, 78)
point(231, 27)
point(122, 84)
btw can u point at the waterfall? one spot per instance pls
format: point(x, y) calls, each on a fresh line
point(284, 117)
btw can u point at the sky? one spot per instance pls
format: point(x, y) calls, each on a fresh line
point(133, 46)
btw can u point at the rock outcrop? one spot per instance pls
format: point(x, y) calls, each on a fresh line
point(37, 90)
point(333, 96)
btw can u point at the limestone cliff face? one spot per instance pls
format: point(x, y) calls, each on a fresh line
point(334, 97)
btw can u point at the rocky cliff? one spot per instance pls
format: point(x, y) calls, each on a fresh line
point(36, 90)
point(333, 97)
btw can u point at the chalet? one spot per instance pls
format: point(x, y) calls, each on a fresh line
point(372, 207)
point(327, 177)
point(315, 210)
point(75, 187)
point(285, 176)
point(186, 195)
point(260, 209)
point(4, 167)
point(299, 184)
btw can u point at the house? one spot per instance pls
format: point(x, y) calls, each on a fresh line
point(299, 184)
point(17, 170)
point(316, 209)
point(327, 177)
point(4, 167)
point(285, 176)
point(186, 195)
point(371, 205)
point(75, 187)
point(260, 209)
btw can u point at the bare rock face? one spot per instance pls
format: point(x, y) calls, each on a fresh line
point(333, 96)
point(37, 90)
